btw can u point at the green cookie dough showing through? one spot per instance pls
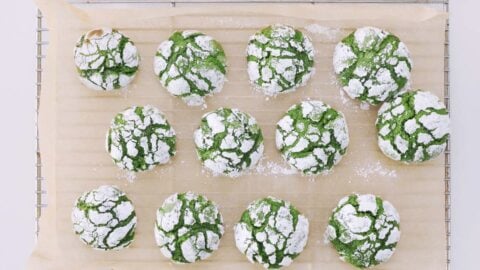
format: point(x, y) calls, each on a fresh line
point(271, 232)
point(140, 138)
point(312, 137)
point(364, 229)
point(104, 218)
point(280, 59)
point(414, 127)
point(373, 65)
point(191, 65)
point(188, 227)
point(106, 59)
point(228, 142)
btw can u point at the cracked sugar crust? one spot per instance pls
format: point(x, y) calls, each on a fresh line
point(364, 229)
point(414, 127)
point(104, 218)
point(373, 65)
point(106, 59)
point(228, 142)
point(271, 232)
point(188, 227)
point(140, 138)
point(280, 59)
point(312, 137)
point(191, 65)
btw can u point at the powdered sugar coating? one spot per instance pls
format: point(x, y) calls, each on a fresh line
point(106, 59)
point(312, 137)
point(228, 142)
point(188, 227)
point(280, 59)
point(373, 65)
point(364, 229)
point(140, 138)
point(414, 127)
point(104, 218)
point(271, 232)
point(191, 65)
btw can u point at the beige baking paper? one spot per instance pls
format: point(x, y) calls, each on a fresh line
point(74, 121)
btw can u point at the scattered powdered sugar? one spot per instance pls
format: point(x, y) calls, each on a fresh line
point(374, 169)
point(352, 104)
point(127, 175)
point(364, 106)
point(327, 33)
point(269, 168)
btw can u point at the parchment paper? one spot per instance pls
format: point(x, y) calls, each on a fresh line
point(74, 121)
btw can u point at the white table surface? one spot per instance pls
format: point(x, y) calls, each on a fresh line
point(17, 144)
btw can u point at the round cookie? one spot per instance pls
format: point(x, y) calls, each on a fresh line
point(140, 138)
point(364, 229)
point(191, 65)
point(228, 141)
point(312, 137)
point(104, 218)
point(271, 232)
point(106, 59)
point(373, 65)
point(280, 59)
point(188, 227)
point(414, 127)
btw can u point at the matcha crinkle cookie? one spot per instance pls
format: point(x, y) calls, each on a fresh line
point(364, 229)
point(414, 127)
point(373, 65)
point(271, 232)
point(188, 227)
point(106, 59)
point(140, 138)
point(280, 59)
point(228, 142)
point(104, 218)
point(312, 137)
point(191, 65)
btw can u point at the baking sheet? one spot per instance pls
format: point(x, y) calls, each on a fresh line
point(73, 122)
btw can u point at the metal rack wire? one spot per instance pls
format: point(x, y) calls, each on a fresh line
point(42, 42)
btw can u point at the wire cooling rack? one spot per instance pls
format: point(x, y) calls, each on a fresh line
point(42, 42)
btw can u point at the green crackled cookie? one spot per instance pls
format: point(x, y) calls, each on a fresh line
point(228, 141)
point(106, 59)
point(280, 59)
point(191, 65)
point(373, 65)
point(188, 227)
point(104, 218)
point(364, 229)
point(140, 138)
point(271, 232)
point(312, 137)
point(414, 127)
